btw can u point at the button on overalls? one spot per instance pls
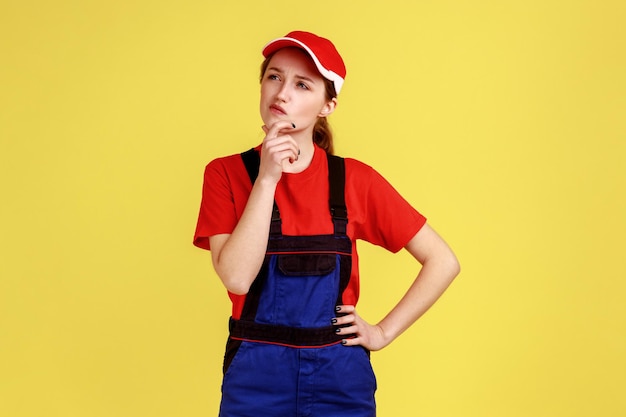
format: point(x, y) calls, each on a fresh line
point(283, 358)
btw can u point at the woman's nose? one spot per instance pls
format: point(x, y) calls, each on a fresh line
point(283, 93)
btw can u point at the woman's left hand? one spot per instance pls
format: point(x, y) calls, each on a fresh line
point(357, 330)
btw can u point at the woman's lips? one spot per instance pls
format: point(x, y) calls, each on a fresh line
point(276, 109)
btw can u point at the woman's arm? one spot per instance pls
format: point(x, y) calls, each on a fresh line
point(439, 267)
point(237, 257)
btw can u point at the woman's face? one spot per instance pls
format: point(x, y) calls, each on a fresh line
point(293, 90)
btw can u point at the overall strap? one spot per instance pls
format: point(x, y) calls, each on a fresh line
point(337, 200)
point(252, 160)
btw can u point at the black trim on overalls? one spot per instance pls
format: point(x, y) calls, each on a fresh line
point(246, 328)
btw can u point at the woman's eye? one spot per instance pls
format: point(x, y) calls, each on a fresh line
point(303, 86)
point(273, 77)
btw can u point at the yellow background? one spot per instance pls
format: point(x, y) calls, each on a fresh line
point(503, 122)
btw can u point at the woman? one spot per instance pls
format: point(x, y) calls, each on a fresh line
point(281, 221)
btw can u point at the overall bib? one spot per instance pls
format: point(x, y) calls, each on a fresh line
point(283, 357)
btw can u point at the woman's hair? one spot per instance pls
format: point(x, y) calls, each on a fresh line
point(322, 133)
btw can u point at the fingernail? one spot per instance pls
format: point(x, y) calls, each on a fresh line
point(293, 125)
point(338, 329)
point(337, 308)
point(344, 341)
point(333, 321)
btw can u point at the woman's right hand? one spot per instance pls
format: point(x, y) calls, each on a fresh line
point(237, 257)
point(278, 149)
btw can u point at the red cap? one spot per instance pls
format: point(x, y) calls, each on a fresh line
point(322, 51)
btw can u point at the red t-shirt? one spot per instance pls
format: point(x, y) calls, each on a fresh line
point(377, 213)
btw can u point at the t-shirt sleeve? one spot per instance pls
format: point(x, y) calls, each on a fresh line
point(217, 208)
point(384, 217)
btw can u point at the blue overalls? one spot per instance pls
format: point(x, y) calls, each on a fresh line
point(283, 358)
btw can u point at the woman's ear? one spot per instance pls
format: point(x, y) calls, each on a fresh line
point(328, 108)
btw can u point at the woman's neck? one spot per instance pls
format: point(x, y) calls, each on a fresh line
point(307, 150)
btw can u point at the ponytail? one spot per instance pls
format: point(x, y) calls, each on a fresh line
point(323, 135)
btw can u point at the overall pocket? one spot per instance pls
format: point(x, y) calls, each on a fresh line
point(300, 291)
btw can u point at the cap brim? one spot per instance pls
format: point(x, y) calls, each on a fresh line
point(281, 43)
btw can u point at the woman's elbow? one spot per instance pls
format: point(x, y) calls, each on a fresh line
point(449, 263)
point(238, 289)
point(232, 277)
point(454, 265)
point(234, 285)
